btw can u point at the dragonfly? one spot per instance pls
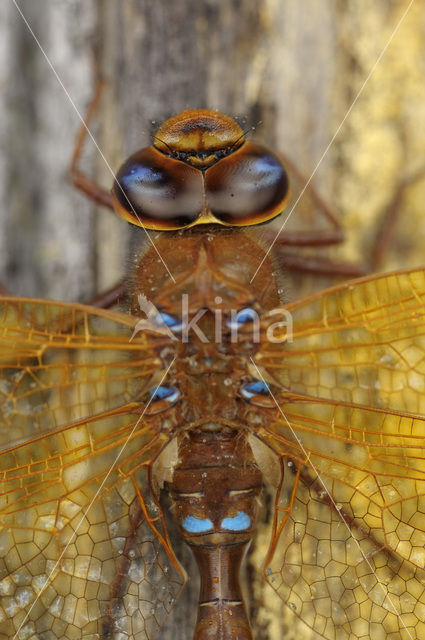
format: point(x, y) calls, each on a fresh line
point(210, 391)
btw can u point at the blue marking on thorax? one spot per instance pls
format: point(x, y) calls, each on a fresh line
point(173, 323)
point(256, 387)
point(162, 392)
point(197, 525)
point(240, 522)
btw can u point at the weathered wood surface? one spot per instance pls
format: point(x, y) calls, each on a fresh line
point(294, 66)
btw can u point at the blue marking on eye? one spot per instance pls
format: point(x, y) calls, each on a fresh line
point(197, 525)
point(163, 392)
point(255, 388)
point(139, 173)
point(240, 522)
point(173, 323)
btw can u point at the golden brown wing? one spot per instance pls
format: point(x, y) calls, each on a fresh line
point(348, 548)
point(361, 342)
point(84, 552)
point(62, 362)
point(83, 549)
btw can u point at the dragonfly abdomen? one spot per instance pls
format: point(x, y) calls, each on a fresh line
point(214, 489)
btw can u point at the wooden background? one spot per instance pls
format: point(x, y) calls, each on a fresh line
point(293, 66)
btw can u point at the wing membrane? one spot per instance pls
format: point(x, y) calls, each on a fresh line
point(362, 342)
point(61, 362)
point(349, 536)
point(84, 549)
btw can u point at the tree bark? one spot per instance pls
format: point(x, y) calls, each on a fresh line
point(291, 69)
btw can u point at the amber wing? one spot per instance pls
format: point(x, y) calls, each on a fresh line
point(349, 534)
point(84, 552)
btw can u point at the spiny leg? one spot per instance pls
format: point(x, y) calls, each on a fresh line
point(388, 225)
point(335, 235)
point(79, 179)
point(95, 192)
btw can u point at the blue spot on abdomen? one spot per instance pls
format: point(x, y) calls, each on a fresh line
point(197, 525)
point(240, 522)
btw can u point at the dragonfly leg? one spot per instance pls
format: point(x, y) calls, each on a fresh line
point(79, 179)
point(388, 225)
point(105, 300)
point(335, 235)
point(332, 235)
point(319, 237)
point(110, 297)
point(323, 266)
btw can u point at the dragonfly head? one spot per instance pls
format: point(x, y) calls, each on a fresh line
point(200, 170)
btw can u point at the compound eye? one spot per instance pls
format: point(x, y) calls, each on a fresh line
point(161, 398)
point(247, 187)
point(157, 192)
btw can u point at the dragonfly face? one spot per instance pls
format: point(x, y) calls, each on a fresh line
point(102, 411)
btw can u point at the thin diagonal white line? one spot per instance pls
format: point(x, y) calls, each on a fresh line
point(84, 515)
point(74, 106)
point(360, 91)
point(341, 515)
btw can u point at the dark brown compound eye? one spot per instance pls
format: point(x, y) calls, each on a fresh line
point(247, 187)
point(158, 192)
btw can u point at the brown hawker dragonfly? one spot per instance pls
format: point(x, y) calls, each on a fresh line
point(209, 390)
